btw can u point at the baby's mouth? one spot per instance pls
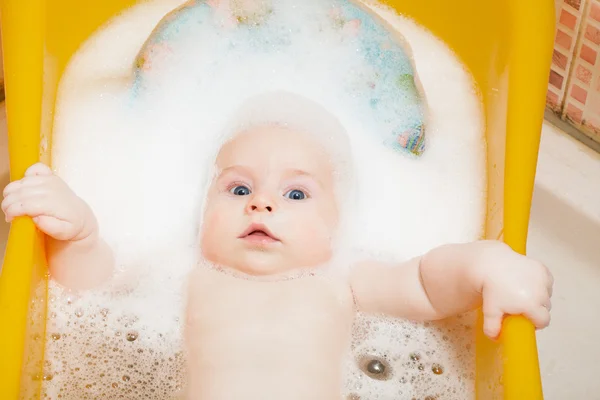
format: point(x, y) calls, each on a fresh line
point(259, 233)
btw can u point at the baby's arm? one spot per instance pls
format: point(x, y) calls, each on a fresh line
point(78, 258)
point(453, 279)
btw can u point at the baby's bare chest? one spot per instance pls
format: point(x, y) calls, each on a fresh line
point(305, 314)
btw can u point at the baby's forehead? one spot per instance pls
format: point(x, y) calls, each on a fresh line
point(272, 141)
point(272, 131)
point(286, 152)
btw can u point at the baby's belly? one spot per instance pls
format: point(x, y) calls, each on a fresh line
point(263, 361)
point(291, 348)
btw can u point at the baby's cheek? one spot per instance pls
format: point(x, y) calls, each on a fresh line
point(216, 218)
point(211, 235)
point(315, 229)
point(330, 212)
point(316, 236)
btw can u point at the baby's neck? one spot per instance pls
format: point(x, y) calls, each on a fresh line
point(284, 275)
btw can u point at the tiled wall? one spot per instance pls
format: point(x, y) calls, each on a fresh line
point(574, 84)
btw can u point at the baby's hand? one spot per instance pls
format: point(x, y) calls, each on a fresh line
point(52, 205)
point(513, 284)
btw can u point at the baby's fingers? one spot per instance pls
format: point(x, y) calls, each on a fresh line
point(12, 187)
point(38, 169)
point(16, 206)
point(492, 324)
point(539, 316)
point(550, 283)
point(28, 185)
point(54, 227)
point(7, 206)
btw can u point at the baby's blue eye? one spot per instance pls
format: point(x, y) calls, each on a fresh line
point(295, 195)
point(240, 190)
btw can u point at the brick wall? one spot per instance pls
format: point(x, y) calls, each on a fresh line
point(574, 83)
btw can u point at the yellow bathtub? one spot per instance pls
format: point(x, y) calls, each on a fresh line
point(506, 44)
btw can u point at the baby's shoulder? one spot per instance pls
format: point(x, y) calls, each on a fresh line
point(205, 278)
point(334, 280)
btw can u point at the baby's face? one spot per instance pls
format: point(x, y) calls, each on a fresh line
point(272, 205)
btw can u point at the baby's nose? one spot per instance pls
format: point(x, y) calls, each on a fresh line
point(260, 203)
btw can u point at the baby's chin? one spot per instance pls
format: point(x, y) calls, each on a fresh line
point(262, 264)
point(267, 266)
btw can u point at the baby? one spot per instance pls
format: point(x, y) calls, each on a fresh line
point(269, 317)
point(271, 306)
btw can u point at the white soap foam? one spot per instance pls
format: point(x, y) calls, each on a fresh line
point(420, 361)
point(139, 165)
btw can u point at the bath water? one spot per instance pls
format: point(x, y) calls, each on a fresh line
point(137, 154)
